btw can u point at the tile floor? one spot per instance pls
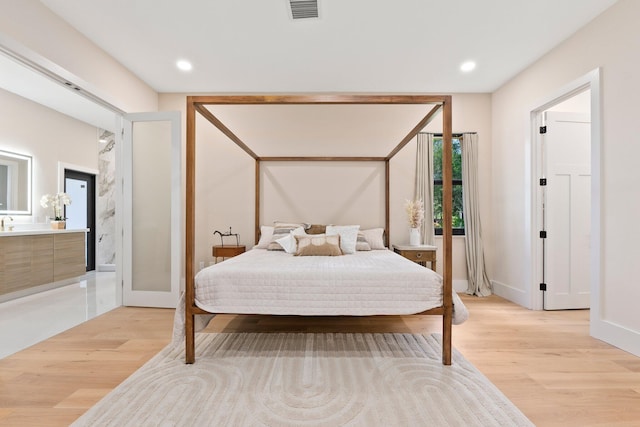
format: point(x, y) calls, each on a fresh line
point(31, 319)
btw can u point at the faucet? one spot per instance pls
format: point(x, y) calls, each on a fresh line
point(2, 222)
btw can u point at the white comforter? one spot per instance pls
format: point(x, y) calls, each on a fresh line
point(273, 282)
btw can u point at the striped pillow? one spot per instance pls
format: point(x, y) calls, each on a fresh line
point(280, 230)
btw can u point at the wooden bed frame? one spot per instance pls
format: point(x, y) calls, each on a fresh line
point(199, 103)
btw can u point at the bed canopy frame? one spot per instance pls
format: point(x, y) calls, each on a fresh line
point(198, 104)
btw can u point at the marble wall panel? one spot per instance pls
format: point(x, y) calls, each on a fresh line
point(106, 203)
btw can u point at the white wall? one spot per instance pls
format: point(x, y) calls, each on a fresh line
point(49, 137)
point(318, 193)
point(34, 26)
point(611, 42)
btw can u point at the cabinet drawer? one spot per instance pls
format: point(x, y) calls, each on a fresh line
point(227, 251)
point(419, 255)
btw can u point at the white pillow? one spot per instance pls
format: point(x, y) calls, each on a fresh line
point(348, 236)
point(361, 243)
point(266, 232)
point(375, 237)
point(289, 242)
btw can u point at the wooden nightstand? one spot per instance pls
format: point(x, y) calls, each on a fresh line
point(227, 251)
point(420, 254)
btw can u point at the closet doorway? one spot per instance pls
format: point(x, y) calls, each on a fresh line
point(564, 276)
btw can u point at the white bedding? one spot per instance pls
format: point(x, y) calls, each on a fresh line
point(360, 284)
point(378, 282)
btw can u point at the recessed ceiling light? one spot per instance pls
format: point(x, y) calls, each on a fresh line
point(184, 65)
point(468, 66)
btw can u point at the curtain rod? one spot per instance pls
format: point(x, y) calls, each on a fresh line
point(455, 135)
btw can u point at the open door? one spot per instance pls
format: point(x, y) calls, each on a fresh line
point(566, 211)
point(152, 243)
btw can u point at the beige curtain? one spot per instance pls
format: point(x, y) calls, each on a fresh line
point(424, 184)
point(476, 272)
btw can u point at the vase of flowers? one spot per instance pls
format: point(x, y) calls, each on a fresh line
point(56, 203)
point(415, 214)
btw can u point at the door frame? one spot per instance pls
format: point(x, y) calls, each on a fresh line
point(90, 178)
point(151, 298)
point(62, 166)
point(533, 220)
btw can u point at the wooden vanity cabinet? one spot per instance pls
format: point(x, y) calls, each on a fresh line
point(32, 260)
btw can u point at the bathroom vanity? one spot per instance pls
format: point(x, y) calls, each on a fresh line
point(32, 258)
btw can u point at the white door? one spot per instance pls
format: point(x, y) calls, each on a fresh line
point(567, 219)
point(152, 240)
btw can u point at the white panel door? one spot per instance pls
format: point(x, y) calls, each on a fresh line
point(567, 210)
point(152, 240)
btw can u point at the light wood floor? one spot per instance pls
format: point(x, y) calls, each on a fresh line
point(545, 362)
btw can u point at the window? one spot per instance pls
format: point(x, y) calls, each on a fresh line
point(457, 219)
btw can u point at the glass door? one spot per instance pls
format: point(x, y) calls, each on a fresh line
point(152, 242)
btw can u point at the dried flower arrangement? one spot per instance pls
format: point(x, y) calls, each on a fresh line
point(415, 212)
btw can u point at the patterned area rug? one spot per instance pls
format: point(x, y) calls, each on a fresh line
point(305, 379)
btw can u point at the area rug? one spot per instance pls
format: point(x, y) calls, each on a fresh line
point(306, 379)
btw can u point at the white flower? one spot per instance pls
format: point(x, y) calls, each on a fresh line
point(64, 198)
point(45, 200)
point(56, 202)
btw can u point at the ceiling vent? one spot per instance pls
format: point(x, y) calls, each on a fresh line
point(302, 9)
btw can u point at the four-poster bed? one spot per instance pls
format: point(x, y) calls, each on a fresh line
point(439, 103)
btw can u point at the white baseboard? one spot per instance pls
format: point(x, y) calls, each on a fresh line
point(616, 335)
point(107, 267)
point(512, 294)
point(460, 285)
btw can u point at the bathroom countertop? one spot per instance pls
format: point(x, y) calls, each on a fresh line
point(19, 232)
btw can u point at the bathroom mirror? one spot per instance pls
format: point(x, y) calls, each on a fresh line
point(15, 184)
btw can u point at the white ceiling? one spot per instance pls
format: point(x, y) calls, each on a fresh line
point(355, 46)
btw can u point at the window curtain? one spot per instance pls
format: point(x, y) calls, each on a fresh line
point(476, 271)
point(424, 184)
